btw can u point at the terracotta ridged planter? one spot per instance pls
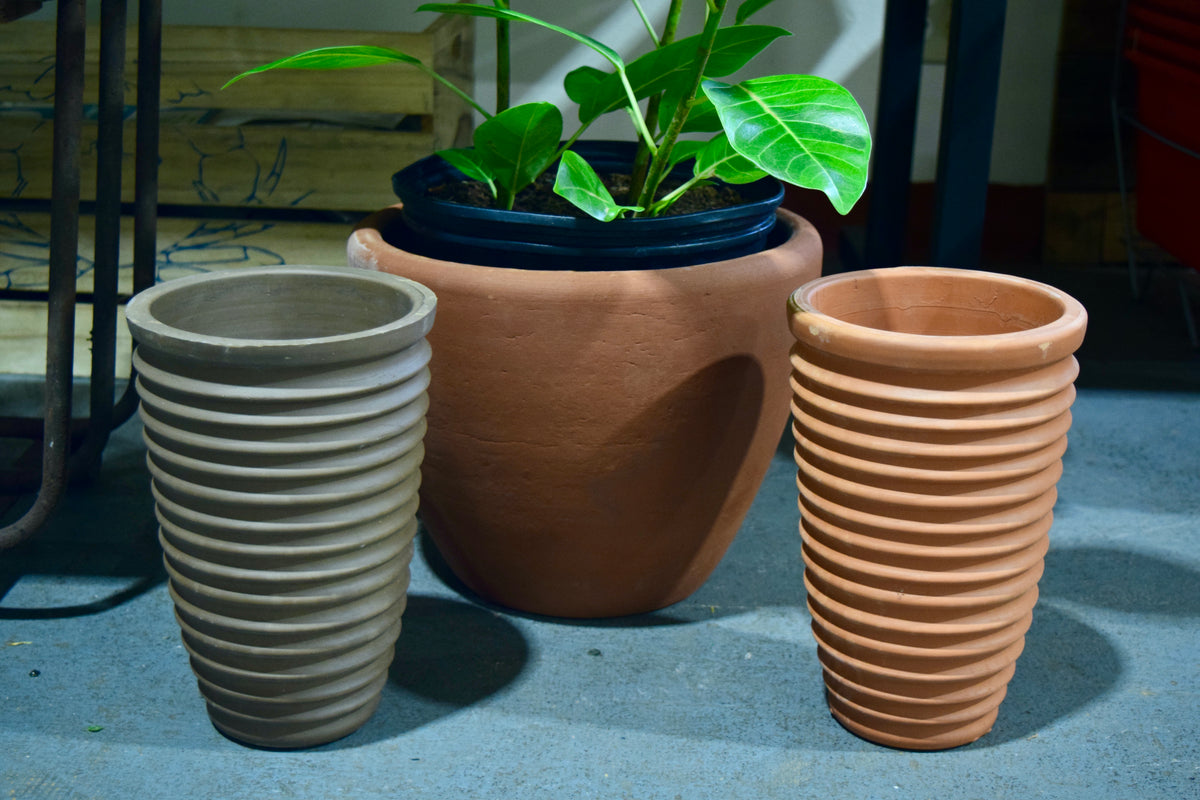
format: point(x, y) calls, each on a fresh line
point(283, 413)
point(930, 413)
point(596, 438)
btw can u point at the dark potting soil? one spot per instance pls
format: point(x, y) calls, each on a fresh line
point(539, 198)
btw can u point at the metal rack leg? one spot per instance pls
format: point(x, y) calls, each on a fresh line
point(64, 246)
point(109, 149)
point(58, 462)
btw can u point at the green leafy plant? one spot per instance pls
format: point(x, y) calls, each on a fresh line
point(805, 130)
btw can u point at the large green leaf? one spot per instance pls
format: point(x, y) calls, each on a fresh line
point(518, 144)
point(323, 58)
point(718, 159)
point(578, 182)
point(671, 67)
point(581, 82)
point(803, 129)
point(468, 10)
point(359, 55)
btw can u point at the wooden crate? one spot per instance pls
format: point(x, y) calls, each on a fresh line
point(291, 139)
point(272, 144)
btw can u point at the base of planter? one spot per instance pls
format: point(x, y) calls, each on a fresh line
point(293, 734)
point(929, 737)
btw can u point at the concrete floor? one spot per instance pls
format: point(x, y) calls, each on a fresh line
point(719, 696)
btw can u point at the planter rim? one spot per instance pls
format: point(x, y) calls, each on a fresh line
point(1055, 339)
point(534, 240)
point(369, 342)
point(595, 284)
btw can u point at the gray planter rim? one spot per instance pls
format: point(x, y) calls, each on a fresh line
point(182, 317)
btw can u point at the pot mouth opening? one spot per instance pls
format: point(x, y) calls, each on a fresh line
point(924, 301)
point(274, 306)
point(278, 309)
point(937, 318)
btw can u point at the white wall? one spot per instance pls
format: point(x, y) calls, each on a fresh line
point(838, 39)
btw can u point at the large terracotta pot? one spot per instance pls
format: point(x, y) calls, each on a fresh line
point(930, 408)
point(283, 412)
point(596, 438)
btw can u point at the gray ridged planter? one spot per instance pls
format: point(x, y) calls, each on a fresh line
point(284, 412)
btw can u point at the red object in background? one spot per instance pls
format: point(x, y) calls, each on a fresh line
point(1166, 51)
point(1179, 9)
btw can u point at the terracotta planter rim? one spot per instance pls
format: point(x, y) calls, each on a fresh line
point(501, 281)
point(161, 317)
point(1055, 333)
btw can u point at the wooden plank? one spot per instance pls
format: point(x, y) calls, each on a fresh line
point(261, 166)
point(198, 60)
point(266, 142)
point(185, 247)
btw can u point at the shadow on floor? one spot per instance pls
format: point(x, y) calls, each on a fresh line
point(450, 656)
point(1121, 580)
point(1065, 666)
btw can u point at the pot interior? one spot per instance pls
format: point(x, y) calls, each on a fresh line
point(277, 306)
point(936, 303)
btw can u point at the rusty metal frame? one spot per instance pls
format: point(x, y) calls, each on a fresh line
point(74, 447)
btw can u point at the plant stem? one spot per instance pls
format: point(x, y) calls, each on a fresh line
point(641, 161)
point(635, 112)
point(646, 21)
point(712, 24)
point(503, 61)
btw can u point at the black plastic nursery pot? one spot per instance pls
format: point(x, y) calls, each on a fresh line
point(497, 238)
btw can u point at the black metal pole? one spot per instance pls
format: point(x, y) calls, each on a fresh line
point(145, 220)
point(968, 123)
point(109, 151)
point(64, 244)
point(896, 124)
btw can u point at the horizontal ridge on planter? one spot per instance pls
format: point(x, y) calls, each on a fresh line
point(284, 415)
point(930, 411)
